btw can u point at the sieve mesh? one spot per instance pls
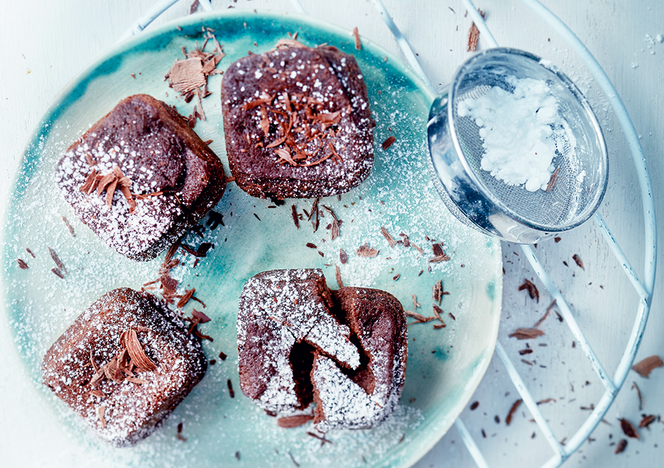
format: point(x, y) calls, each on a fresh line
point(576, 162)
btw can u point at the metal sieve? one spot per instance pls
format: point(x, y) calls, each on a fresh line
point(484, 202)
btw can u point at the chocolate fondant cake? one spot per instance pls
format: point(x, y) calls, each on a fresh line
point(297, 122)
point(124, 365)
point(292, 350)
point(284, 315)
point(140, 177)
point(367, 396)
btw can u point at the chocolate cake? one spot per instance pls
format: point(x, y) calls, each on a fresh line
point(294, 337)
point(284, 315)
point(365, 397)
point(140, 177)
point(124, 365)
point(297, 122)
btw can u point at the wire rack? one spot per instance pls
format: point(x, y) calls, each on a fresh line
point(643, 286)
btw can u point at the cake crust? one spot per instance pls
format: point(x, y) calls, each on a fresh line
point(166, 177)
point(297, 122)
point(97, 370)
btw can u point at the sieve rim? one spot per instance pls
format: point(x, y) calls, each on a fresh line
point(481, 187)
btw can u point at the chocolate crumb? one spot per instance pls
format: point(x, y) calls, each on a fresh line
point(451, 315)
point(289, 422)
point(212, 362)
point(557, 239)
point(311, 246)
point(230, 388)
point(237, 455)
point(474, 405)
point(525, 351)
point(22, 264)
point(513, 409)
point(396, 277)
point(388, 142)
point(69, 226)
point(222, 355)
point(343, 256)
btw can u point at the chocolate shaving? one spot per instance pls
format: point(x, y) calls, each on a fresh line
point(437, 312)
point(338, 276)
point(578, 261)
point(136, 352)
point(419, 318)
point(415, 303)
point(513, 409)
point(541, 402)
point(439, 254)
point(647, 421)
point(30, 252)
point(390, 240)
point(417, 248)
point(185, 298)
point(638, 393)
point(295, 217)
point(22, 264)
point(646, 366)
point(322, 439)
point(200, 316)
point(553, 180)
point(439, 326)
point(628, 429)
point(289, 422)
point(193, 252)
point(356, 35)
point(231, 392)
point(69, 226)
point(334, 232)
point(621, 446)
point(343, 256)
point(526, 333)
point(438, 292)
point(366, 251)
point(531, 288)
point(548, 310)
point(388, 142)
point(57, 260)
point(474, 35)
point(100, 413)
point(57, 272)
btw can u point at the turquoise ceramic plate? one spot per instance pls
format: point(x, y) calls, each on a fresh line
point(444, 366)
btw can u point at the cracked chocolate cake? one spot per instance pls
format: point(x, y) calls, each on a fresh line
point(297, 122)
point(124, 365)
point(140, 177)
point(299, 342)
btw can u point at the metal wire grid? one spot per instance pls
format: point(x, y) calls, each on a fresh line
point(644, 288)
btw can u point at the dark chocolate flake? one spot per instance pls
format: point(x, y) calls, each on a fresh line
point(366, 251)
point(22, 264)
point(69, 226)
point(531, 288)
point(56, 259)
point(647, 421)
point(526, 333)
point(289, 422)
point(621, 446)
point(646, 366)
point(388, 142)
point(510, 415)
point(628, 429)
point(230, 388)
point(343, 256)
point(578, 261)
point(58, 273)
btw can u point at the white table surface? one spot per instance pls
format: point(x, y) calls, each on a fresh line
point(45, 44)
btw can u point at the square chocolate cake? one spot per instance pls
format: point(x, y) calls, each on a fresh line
point(140, 177)
point(124, 365)
point(297, 122)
